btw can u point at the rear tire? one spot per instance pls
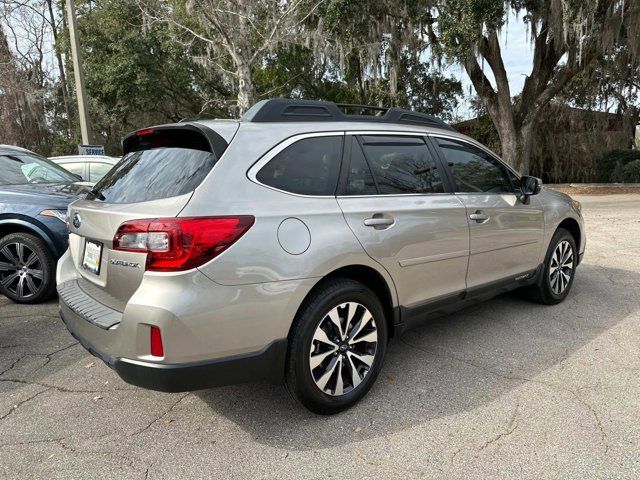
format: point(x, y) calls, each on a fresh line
point(337, 346)
point(27, 268)
point(559, 270)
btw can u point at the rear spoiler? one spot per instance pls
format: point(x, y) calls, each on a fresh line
point(197, 137)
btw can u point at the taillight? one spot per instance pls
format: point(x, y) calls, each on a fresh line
point(157, 350)
point(174, 244)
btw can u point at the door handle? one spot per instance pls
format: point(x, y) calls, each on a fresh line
point(479, 217)
point(379, 222)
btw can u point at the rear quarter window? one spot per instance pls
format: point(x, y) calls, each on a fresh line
point(308, 167)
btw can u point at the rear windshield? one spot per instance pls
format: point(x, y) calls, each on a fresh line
point(154, 174)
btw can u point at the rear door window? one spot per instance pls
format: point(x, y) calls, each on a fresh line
point(401, 165)
point(359, 180)
point(308, 167)
point(165, 166)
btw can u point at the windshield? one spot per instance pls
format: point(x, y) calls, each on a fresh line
point(22, 168)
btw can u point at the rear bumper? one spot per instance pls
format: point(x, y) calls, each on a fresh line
point(265, 365)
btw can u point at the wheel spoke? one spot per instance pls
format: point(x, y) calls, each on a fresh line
point(371, 336)
point(9, 255)
point(316, 360)
point(20, 252)
point(20, 287)
point(364, 358)
point(324, 379)
point(351, 311)
point(32, 286)
point(339, 390)
point(366, 318)
point(39, 274)
point(4, 267)
point(355, 376)
point(31, 260)
point(335, 319)
point(9, 279)
point(321, 336)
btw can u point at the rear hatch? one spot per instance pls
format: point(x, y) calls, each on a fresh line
point(156, 177)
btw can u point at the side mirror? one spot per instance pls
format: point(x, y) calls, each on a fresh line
point(530, 185)
point(78, 176)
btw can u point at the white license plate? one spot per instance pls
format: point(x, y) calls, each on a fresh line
point(92, 256)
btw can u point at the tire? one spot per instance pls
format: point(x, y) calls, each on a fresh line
point(547, 290)
point(314, 335)
point(27, 268)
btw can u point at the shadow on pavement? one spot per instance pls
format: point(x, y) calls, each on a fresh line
point(448, 366)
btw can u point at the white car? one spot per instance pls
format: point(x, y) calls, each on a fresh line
point(90, 167)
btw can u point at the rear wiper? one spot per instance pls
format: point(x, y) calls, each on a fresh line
point(96, 194)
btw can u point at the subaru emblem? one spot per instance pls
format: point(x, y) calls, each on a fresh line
point(77, 221)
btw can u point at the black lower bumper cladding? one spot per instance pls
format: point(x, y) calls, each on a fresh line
point(266, 365)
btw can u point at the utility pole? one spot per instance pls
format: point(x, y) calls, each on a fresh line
point(78, 74)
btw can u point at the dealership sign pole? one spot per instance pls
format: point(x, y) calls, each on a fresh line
point(85, 129)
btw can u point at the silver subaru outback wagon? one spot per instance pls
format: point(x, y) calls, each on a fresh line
point(294, 243)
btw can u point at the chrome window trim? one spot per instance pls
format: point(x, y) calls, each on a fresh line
point(404, 133)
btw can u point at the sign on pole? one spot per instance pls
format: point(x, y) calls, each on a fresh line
point(90, 149)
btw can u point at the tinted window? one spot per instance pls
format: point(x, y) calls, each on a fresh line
point(359, 181)
point(98, 170)
point(308, 167)
point(515, 181)
point(474, 170)
point(153, 174)
point(75, 168)
point(21, 168)
point(401, 165)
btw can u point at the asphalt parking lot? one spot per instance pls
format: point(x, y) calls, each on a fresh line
point(506, 389)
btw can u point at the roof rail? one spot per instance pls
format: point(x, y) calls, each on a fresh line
point(295, 110)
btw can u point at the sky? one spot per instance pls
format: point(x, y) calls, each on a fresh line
point(517, 54)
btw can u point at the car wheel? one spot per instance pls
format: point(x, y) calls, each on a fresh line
point(27, 268)
point(337, 346)
point(559, 269)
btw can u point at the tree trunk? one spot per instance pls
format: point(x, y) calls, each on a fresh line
point(63, 77)
point(517, 147)
point(246, 89)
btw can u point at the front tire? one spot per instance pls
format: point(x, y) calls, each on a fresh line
point(559, 270)
point(337, 346)
point(27, 268)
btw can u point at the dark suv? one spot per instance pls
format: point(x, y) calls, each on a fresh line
point(34, 194)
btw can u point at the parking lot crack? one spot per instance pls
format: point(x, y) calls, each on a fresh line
point(22, 402)
point(510, 428)
point(159, 417)
point(62, 389)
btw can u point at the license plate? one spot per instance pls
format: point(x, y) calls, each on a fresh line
point(92, 256)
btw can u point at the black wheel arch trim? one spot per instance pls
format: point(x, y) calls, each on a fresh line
point(41, 231)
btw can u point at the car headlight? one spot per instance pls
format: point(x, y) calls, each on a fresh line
point(59, 214)
point(577, 206)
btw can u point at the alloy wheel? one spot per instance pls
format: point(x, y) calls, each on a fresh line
point(21, 271)
point(561, 267)
point(343, 348)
